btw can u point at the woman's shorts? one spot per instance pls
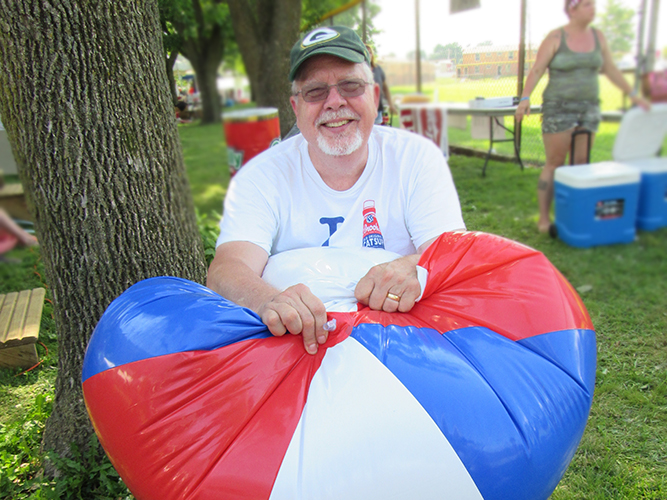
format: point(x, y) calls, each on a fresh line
point(559, 116)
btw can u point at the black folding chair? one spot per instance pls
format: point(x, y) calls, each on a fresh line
point(587, 133)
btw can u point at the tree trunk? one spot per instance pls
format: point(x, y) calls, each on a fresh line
point(85, 101)
point(265, 34)
point(206, 70)
point(169, 66)
point(205, 52)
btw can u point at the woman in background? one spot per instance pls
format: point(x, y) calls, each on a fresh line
point(12, 234)
point(381, 79)
point(575, 54)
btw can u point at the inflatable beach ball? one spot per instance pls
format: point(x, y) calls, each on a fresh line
point(482, 391)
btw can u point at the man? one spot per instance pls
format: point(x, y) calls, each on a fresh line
point(341, 183)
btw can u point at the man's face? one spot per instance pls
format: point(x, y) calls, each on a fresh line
point(336, 125)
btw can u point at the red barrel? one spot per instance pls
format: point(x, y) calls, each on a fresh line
point(249, 132)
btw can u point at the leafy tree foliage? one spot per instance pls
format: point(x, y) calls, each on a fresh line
point(450, 51)
point(353, 18)
point(616, 22)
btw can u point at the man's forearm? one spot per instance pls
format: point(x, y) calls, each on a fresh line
point(235, 281)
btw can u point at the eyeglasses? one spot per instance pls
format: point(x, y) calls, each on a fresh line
point(320, 91)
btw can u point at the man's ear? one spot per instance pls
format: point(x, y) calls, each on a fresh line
point(376, 91)
point(292, 101)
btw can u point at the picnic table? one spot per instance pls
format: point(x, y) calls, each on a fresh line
point(431, 120)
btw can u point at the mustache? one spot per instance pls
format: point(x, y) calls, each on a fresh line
point(340, 114)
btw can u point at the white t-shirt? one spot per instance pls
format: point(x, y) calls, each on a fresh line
point(279, 202)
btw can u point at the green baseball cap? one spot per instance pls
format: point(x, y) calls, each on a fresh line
point(338, 41)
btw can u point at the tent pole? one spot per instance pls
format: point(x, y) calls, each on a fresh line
point(652, 34)
point(520, 70)
point(418, 55)
point(363, 21)
point(641, 59)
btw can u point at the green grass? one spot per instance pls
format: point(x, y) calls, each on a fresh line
point(205, 156)
point(464, 90)
point(623, 453)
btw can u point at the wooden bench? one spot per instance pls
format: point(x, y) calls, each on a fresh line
point(20, 317)
point(12, 199)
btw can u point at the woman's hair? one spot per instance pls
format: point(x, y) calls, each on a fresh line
point(570, 4)
point(371, 53)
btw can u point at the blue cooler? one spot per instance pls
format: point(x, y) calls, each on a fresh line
point(652, 209)
point(637, 143)
point(596, 204)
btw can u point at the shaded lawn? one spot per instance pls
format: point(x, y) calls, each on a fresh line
point(205, 156)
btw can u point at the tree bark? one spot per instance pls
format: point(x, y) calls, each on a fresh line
point(265, 34)
point(85, 101)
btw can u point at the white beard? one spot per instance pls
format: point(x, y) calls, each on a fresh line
point(342, 145)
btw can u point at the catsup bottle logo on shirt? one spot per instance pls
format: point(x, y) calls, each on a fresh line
point(372, 235)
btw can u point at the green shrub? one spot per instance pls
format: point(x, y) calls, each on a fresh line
point(84, 476)
point(208, 228)
point(19, 445)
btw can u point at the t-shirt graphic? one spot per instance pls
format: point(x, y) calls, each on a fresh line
point(332, 222)
point(372, 237)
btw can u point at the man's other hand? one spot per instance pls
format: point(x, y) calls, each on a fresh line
point(390, 287)
point(297, 311)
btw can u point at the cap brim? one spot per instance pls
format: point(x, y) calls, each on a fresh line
point(342, 52)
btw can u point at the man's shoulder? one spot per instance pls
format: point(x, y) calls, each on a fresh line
point(396, 138)
point(284, 155)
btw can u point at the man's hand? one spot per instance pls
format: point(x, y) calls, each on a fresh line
point(297, 311)
point(235, 273)
point(390, 287)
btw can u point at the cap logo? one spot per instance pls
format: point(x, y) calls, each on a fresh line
point(318, 36)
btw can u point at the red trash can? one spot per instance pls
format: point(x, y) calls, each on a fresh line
point(248, 133)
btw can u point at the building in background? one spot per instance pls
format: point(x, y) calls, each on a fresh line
point(404, 72)
point(489, 61)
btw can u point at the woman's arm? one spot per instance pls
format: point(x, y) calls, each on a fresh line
point(615, 75)
point(544, 55)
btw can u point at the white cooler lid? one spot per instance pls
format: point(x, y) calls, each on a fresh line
point(606, 173)
point(641, 134)
point(655, 165)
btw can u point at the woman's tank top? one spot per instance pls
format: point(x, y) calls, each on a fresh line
point(573, 76)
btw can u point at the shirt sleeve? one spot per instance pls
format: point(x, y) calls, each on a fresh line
point(250, 213)
point(433, 205)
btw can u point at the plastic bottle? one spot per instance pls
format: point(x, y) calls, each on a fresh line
point(372, 236)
